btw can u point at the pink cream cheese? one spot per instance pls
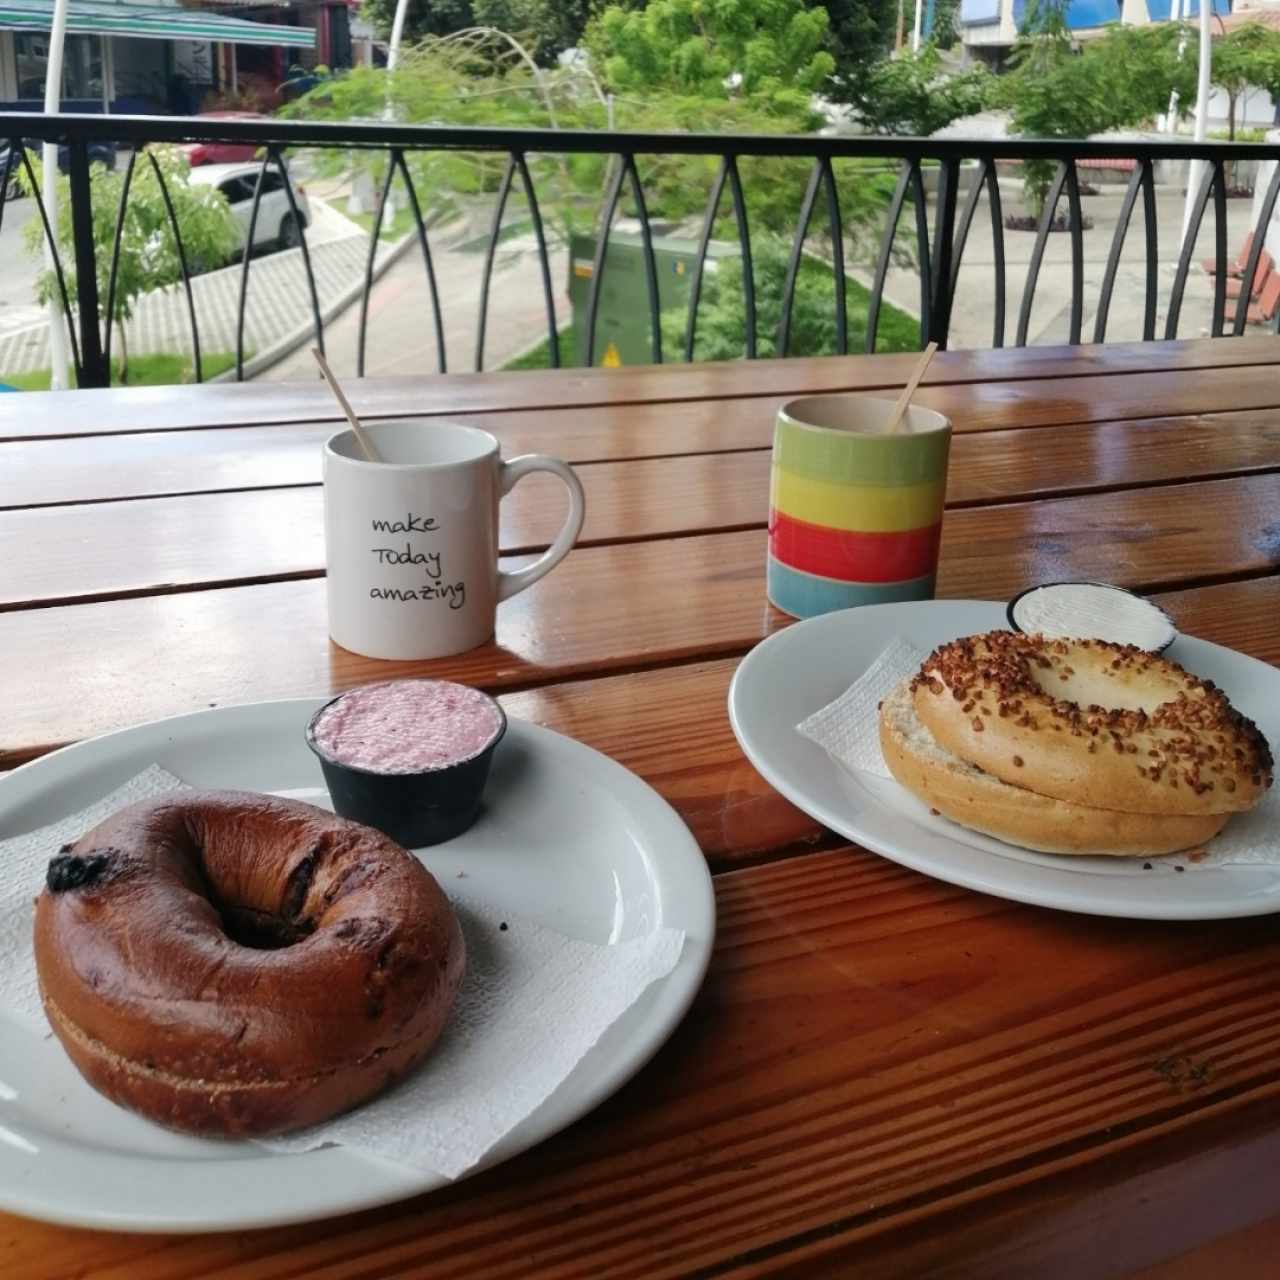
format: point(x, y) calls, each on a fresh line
point(407, 726)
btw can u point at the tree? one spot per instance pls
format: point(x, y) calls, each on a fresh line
point(422, 17)
point(860, 32)
point(1056, 91)
point(546, 27)
point(722, 307)
point(1247, 57)
point(946, 23)
point(714, 48)
point(913, 94)
point(148, 257)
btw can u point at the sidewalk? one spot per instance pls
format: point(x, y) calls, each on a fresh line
point(973, 309)
point(277, 300)
point(401, 331)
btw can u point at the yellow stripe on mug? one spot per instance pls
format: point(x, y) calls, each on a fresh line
point(862, 508)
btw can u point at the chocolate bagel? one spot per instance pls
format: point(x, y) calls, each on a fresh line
point(227, 963)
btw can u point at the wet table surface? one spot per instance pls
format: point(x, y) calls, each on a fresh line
point(884, 1075)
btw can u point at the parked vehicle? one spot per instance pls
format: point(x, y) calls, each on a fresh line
point(11, 161)
point(202, 153)
point(276, 224)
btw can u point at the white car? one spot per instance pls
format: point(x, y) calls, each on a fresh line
point(276, 224)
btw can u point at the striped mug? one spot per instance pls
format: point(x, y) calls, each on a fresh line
point(855, 512)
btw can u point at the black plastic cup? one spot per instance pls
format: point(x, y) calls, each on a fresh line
point(414, 809)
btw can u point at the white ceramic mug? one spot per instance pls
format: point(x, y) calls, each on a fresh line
point(411, 541)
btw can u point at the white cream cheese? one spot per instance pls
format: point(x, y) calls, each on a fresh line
point(1089, 610)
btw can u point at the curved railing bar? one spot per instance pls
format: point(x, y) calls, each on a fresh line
point(997, 237)
point(553, 331)
point(244, 265)
point(1220, 250)
point(887, 237)
point(57, 261)
point(10, 164)
point(650, 261)
point(1037, 254)
point(115, 258)
point(1184, 257)
point(1255, 251)
point(1153, 252)
point(744, 243)
point(504, 190)
point(966, 221)
point(182, 266)
point(397, 160)
point(797, 251)
point(1076, 232)
point(704, 241)
point(997, 244)
point(362, 331)
point(837, 258)
point(1113, 254)
point(922, 248)
point(278, 155)
point(613, 195)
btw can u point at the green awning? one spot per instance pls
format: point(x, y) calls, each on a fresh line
point(149, 22)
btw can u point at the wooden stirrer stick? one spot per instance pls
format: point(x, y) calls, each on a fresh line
point(899, 414)
point(366, 445)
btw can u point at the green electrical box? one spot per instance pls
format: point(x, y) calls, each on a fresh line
point(623, 330)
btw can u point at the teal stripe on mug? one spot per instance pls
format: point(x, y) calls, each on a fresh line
point(804, 595)
point(849, 457)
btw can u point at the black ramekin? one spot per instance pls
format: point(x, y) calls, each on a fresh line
point(414, 809)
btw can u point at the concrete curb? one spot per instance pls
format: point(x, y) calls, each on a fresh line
point(287, 345)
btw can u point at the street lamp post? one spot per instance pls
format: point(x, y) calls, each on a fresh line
point(52, 105)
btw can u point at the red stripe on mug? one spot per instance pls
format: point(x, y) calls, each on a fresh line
point(854, 557)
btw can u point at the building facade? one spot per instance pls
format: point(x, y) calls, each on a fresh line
point(163, 57)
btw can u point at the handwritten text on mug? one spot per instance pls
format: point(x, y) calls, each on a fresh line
point(434, 588)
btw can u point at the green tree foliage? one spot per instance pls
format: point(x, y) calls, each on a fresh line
point(913, 94)
point(714, 48)
point(1247, 58)
point(546, 27)
point(859, 33)
point(468, 82)
point(422, 17)
point(148, 251)
point(720, 330)
point(946, 23)
point(1119, 80)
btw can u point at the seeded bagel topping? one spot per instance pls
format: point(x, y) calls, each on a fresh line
point(1194, 738)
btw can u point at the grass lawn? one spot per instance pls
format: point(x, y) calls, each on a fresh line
point(393, 228)
point(897, 331)
point(144, 371)
point(536, 357)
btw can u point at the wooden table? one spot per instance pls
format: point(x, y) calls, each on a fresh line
point(884, 1075)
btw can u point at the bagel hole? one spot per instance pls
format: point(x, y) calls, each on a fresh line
point(261, 930)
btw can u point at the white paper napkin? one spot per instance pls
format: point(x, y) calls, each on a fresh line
point(847, 729)
point(532, 1003)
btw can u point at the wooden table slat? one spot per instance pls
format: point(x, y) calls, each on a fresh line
point(134, 548)
point(985, 466)
point(63, 413)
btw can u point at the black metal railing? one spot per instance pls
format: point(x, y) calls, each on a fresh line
point(942, 226)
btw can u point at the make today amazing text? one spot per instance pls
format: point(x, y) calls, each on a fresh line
point(453, 593)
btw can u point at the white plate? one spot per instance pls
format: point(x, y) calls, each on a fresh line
point(568, 837)
point(801, 669)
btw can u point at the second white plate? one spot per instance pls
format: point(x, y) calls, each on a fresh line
point(798, 670)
